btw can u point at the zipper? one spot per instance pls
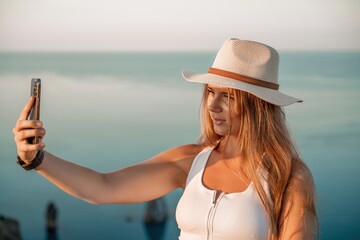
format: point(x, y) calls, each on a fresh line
point(211, 214)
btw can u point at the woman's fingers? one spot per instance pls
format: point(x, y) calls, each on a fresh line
point(26, 124)
point(26, 110)
point(25, 129)
point(28, 133)
point(29, 148)
point(22, 122)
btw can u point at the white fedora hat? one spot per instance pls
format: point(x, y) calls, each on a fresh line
point(248, 66)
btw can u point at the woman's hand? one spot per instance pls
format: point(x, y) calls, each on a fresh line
point(25, 129)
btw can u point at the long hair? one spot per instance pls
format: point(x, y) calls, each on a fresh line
point(263, 141)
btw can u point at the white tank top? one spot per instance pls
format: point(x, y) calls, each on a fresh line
point(239, 215)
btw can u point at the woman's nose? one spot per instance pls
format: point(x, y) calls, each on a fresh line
point(213, 104)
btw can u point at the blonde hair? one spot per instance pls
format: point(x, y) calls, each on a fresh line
point(263, 141)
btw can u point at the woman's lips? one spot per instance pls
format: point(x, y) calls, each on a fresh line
point(218, 121)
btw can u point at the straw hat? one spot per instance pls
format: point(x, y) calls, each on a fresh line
point(248, 66)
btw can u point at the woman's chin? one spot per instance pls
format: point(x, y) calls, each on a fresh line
point(221, 131)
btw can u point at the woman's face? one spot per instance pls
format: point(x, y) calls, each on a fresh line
point(225, 122)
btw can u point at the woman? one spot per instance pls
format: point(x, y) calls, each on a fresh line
point(244, 180)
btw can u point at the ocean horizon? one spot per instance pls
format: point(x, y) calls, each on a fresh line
point(109, 110)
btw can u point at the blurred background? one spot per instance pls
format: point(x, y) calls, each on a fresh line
point(113, 95)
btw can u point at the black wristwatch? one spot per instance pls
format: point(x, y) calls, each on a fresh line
point(34, 164)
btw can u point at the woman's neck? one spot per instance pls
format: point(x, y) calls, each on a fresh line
point(228, 146)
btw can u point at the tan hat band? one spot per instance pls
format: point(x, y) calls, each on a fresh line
point(241, 78)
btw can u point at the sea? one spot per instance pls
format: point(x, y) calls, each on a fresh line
point(109, 110)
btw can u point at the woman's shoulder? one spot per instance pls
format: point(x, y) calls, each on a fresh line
point(183, 152)
point(182, 156)
point(301, 175)
point(180, 159)
point(188, 149)
point(178, 154)
point(301, 183)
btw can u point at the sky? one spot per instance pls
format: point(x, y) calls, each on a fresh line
point(177, 25)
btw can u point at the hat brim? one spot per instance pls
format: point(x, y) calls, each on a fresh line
point(270, 95)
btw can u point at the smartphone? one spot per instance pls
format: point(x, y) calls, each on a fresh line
point(35, 91)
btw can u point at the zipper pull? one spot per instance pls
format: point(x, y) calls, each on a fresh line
point(216, 196)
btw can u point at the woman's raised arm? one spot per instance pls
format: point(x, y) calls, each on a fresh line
point(138, 183)
point(141, 182)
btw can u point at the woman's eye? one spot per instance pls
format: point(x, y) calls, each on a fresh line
point(226, 96)
point(210, 91)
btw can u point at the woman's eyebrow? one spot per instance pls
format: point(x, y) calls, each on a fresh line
point(224, 91)
point(220, 90)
